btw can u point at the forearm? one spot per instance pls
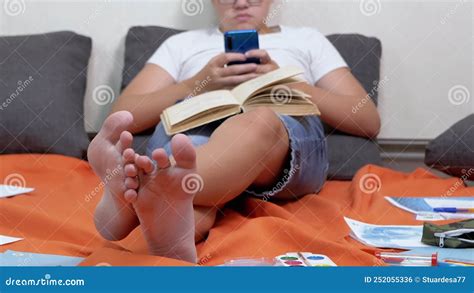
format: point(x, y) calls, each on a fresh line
point(352, 114)
point(147, 108)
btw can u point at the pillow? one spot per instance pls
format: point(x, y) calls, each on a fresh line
point(453, 151)
point(346, 153)
point(140, 43)
point(42, 86)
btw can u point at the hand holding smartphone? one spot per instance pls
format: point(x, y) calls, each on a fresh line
point(241, 41)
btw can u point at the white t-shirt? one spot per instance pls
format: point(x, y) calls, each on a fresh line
point(185, 54)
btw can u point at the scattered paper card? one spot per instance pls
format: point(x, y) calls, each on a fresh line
point(386, 236)
point(8, 239)
point(11, 190)
point(423, 207)
point(18, 258)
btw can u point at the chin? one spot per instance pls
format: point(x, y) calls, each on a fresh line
point(241, 26)
point(245, 26)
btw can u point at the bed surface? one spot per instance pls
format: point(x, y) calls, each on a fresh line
point(57, 217)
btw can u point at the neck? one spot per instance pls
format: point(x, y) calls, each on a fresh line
point(264, 29)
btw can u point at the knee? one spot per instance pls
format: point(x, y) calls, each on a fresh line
point(263, 124)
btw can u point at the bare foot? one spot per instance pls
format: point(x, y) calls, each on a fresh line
point(110, 156)
point(165, 200)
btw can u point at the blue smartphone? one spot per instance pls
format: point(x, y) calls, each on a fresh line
point(241, 41)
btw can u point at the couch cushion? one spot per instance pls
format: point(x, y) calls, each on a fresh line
point(42, 86)
point(362, 54)
point(453, 151)
point(346, 153)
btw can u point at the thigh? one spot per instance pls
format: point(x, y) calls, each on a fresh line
point(204, 218)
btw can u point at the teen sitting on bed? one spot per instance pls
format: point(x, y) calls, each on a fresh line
point(245, 153)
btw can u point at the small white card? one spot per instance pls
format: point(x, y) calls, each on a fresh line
point(10, 190)
point(8, 239)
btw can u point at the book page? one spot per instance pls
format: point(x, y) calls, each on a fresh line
point(200, 119)
point(288, 109)
point(199, 104)
point(286, 82)
point(277, 92)
point(246, 89)
point(291, 102)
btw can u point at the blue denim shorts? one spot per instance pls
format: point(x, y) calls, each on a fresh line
point(307, 165)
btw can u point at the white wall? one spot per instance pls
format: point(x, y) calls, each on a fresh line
point(427, 47)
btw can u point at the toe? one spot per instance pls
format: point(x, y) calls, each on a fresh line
point(131, 183)
point(130, 195)
point(183, 151)
point(131, 170)
point(145, 163)
point(161, 158)
point(128, 156)
point(115, 124)
point(125, 141)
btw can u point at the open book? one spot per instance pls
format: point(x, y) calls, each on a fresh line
point(272, 90)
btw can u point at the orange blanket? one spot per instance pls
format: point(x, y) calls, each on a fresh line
point(57, 217)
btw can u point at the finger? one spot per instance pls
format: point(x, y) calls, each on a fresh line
point(238, 79)
point(261, 54)
point(238, 69)
point(265, 68)
point(224, 58)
